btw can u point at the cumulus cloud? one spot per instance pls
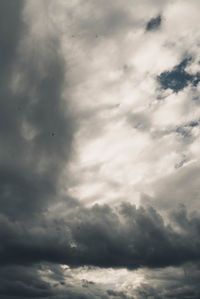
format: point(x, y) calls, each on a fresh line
point(91, 237)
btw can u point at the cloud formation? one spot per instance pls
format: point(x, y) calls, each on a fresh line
point(36, 128)
point(99, 157)
point(91, 237)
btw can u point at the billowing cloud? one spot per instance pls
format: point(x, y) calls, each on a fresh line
point(91, 237)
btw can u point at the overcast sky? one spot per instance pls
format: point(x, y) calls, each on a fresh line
point(100, 147)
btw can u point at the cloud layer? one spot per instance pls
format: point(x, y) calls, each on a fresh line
point(99, 157)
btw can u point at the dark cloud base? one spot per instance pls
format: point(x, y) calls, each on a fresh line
point(91, 237)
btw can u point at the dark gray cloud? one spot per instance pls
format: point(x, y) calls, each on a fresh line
point(177, 79)
point(154, 23)
point(10, 31)
point(26, 282)
point(91, 237)
point(145, 239)
point(22, 282)
point(30, 165)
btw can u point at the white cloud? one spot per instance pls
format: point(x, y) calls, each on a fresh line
point(113, 76)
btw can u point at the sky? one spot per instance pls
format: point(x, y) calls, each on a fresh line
point(100, 145)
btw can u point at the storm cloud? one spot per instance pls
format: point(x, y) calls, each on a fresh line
point(91, 237)
point(98, 179)
point(35, 129)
